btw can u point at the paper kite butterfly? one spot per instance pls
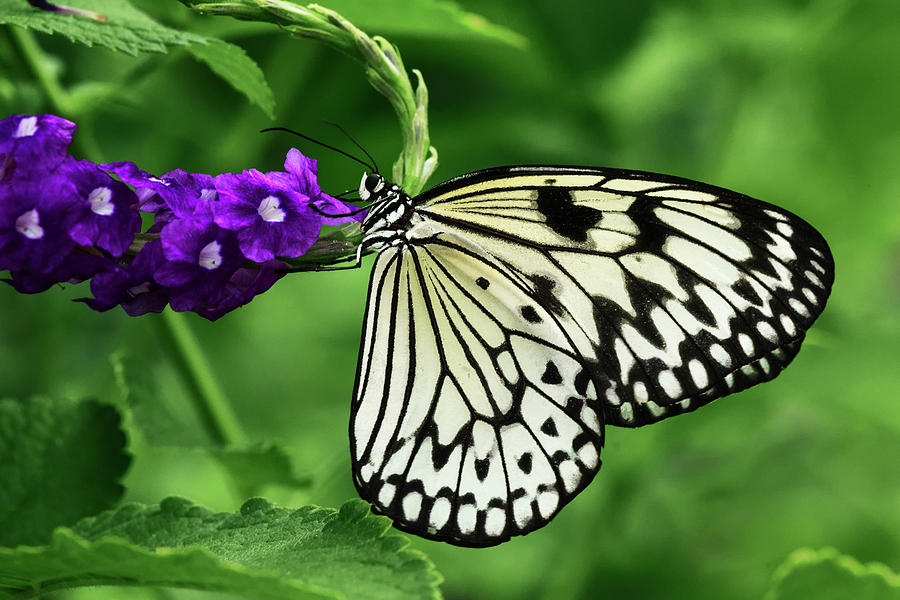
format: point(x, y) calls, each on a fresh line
point(514, 312)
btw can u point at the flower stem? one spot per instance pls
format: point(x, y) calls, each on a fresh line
point(216, 413)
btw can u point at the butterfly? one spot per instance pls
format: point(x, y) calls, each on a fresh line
point(514, 312)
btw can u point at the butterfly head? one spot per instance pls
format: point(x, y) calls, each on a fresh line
point(371, 184)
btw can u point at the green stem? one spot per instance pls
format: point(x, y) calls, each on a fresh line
point(57, 96)
point(216, 413)
point(34, 56)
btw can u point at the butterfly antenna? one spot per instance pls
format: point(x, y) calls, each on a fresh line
point(357, 144)
point(324, 145)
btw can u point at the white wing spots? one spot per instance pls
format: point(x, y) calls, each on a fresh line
point(672, 336)
point(508, 367)
point(570, 474)
point(484, 441)
point(720, 355)
point(655, 409)
point(669, 383)
point(811, 296)
point(657, 270)
point(715, 269)
point(495, 521)
point(765, 365)
point(465, 519)
point(386, 493)
point(633, 185)
point(600, 276)
point(625, 358)
point(435, 478)
point(588, 456)
point(817, 252)
point(440, 513)
point(685, 194)
point(450, 412)
point(767, 331)
point(611, 396)
point(618, 221)
point(798, 307)
point(627, 413)
point(814, 278)
point(604, 240)
point(698, 373)
point(815, 265)
point(640, 392)
point(548, 503)
point(788, 325)
point(412, 505)
point(711, 212)
point(781, 247)
point(746, 343)
point(716, 237)
point(784, 229)
point(601, 200)
point(775, 215)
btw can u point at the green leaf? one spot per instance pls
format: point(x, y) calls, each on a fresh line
point(258, 466)
point(263, 551)
point(127, 29)
point(61, 461)
point(828, 575)
point(425, 18)
point(232, 64)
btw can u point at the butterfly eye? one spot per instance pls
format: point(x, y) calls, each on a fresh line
point(369, 184)
point(373, 182)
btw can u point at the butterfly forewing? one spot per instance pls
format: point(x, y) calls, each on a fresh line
point(676, 292)
point(474, 418)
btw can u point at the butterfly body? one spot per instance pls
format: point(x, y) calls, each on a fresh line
point(514, 312)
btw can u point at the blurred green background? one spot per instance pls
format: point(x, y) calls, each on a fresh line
point(796, 102)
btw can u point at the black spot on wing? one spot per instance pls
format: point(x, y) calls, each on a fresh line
point(530, 314)
point(543, 293)
point(562, 216)
point(549, 427)
point(481, 468)
point(524, 463)
point(482, 283)
point(551, 374)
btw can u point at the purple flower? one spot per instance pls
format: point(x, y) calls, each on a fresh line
point(33, 237)
point(131, 285)
point(200, 259)
point(32, 145)
point(302, 176)
point(105, 214)
point(76, 267)
point(241, 287)
point(270, 220)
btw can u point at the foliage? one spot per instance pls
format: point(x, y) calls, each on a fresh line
point(789, 102)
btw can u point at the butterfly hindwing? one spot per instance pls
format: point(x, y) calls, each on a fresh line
point(675, 292)
point(474, 418)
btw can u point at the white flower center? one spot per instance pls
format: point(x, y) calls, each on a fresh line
point(270, 210)
point(211, 256)
point(208, 194)
point(101, 201)
point(27, 127)
point(28, 224)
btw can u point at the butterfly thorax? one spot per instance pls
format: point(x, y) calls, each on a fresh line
point(391, 212)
